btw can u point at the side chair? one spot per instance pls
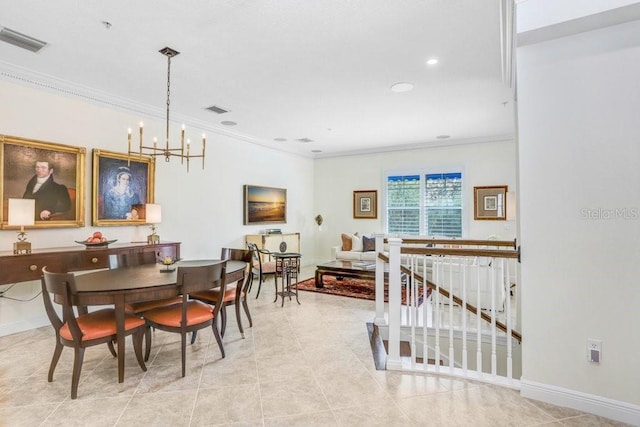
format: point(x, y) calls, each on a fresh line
point(233, 295)
point(259, 268)
point(85, 330)
point(138, 308)
point(191, 315)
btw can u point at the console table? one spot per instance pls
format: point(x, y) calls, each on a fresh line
point(26, 267)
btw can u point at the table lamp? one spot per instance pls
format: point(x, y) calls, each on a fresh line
point(153, 217)
point(21, 213)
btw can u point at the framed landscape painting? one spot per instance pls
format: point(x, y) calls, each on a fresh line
point(122, 185)
point(264, 205)
point(52, 174)
point(490, 203)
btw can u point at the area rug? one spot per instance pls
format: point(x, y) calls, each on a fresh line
point(348, 287)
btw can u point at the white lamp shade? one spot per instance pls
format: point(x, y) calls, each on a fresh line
point(154, 213)
point(21, 212)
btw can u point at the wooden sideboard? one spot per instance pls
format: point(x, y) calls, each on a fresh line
point(25, 267)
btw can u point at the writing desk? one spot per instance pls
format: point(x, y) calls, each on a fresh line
point(137, 284)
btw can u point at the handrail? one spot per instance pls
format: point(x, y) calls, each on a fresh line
point(499, 253)
point(462, 242)
point(469, 307)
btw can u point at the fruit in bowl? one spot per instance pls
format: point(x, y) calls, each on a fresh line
point(96, 237)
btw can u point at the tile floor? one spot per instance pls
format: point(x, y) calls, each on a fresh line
point(301, 365)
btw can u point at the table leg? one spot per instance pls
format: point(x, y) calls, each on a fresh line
point(319, 283)
point(119, 308)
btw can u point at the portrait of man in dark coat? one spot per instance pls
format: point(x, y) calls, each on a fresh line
point(51, 198)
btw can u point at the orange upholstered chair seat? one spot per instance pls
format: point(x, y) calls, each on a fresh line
point(213, 295)
point(100, 324)
point(171, 315)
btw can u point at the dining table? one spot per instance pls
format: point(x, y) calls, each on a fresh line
point(146, 282)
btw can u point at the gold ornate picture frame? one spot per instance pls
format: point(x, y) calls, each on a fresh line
point(490, 203)
point(365, 204)
point(57, 186)
point(122, 185)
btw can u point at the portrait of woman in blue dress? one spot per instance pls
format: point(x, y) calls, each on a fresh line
point(120, 198)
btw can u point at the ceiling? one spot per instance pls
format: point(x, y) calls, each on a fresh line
point(285, 69)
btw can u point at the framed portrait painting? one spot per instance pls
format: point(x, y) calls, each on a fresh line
point(52, 174)
point(365, 204)
point(122, 185)
point(490, 203)
point(264, 205)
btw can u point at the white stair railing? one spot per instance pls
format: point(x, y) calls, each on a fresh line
point(464, 328)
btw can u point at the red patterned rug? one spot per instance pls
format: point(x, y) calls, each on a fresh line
point(348, 287)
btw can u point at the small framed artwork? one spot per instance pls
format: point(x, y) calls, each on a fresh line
point(365, 204)
point(52, 174)
point(122, 185)
point(264, 205)
point(490, 202)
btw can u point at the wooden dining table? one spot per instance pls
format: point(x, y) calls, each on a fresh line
point(138, 284)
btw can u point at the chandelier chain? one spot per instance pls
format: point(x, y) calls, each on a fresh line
point(168, 98)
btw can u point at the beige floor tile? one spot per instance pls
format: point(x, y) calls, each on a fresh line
point(299, 365)
point(159, 409)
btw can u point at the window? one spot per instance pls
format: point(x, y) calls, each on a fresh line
point(424, 204)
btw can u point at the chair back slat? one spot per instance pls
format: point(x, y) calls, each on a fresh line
point(201, 278)
point(131, 259)
point(62, 286)
point(245, 255)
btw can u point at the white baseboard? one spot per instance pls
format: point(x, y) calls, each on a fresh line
point(24, 325)
point(597, 405)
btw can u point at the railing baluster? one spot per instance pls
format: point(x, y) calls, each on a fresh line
point(453, 272)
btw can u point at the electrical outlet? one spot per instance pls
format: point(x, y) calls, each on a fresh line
point(594, 350)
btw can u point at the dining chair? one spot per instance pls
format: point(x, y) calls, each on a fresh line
point(123, 260)
point(260, 268)
point(84, 330)
point(235, 295)
point(190, 315)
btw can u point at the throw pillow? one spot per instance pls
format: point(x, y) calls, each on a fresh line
point(346, 242)
point(368, 244)
point(356, 243)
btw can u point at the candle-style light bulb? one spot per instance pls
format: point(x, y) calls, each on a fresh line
point(155, 143)
point(129, 139)
point(204, 144)
point(182, 145)
point(141, 128)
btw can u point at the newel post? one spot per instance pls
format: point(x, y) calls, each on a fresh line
point(379, 320)
point(395, 289)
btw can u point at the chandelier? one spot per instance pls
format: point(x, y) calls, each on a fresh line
point(183, 151)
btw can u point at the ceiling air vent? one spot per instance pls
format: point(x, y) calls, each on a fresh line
point(217, 110)
point(21, 40)
point(305, 140)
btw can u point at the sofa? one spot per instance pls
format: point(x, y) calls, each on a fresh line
point(355, 247)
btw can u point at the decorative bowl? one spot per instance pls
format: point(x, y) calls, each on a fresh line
point(168, 262)
point(97, 245)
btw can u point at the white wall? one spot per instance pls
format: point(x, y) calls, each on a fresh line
point(201, 209)
point(579, 99)
point(482, 164)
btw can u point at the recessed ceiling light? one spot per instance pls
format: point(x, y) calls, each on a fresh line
point(432, 61)
point(228, 123)
point(280, 139)
point(402, 87)
point(316, 151)
point(305, 140)
point(443, 136)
